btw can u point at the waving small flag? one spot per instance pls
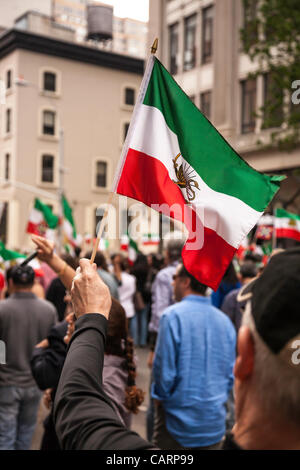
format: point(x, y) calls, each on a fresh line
point(42, 221)
point(176, 162)
point(287, 225)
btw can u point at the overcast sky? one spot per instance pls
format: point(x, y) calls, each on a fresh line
point(137, 9)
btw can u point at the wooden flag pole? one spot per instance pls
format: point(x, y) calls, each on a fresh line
point(101, 228)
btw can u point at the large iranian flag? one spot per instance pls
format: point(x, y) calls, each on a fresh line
point(42, 221)
point(287, 225)
point(173, 155)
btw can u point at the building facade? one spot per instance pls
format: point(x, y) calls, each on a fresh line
point(199, 43)
point(64, 105)
point(129, 35)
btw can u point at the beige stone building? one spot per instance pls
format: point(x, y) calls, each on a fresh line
point(54, 87)
point(200, 45)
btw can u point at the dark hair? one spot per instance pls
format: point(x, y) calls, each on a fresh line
point(230, 276)
point(174, 249)
point(195, 285)
point(124, 263)
point(140, 267)
point(22, 276)
point(118, 343)
point(8, 274)
point(248, 269)
point(70, 260)
point(99, 259)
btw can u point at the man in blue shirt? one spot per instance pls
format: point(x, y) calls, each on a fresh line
point(193, 369)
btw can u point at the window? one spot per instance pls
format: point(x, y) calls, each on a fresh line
point(125, 130)
point(8, 121)
point(49, 122)
point(189, 42)
point(173, 47)
point(207, 34)
point(205, 104)
point(3, 221)
point(130, 96)
point(250, 23)
point(248, 105)
point(101, 174)
point(7, 166)
point(49, 81)
point(47, 169)
point(273, 101)
point(8, 79)
point(97, 221)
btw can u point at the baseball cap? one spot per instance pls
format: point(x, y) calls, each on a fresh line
point(275, 300)
point(22, 275)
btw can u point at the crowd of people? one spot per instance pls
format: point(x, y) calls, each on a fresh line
point(222, 365)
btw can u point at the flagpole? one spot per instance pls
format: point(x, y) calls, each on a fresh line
point(61, 189)
point(122, 160)
point(101, 228)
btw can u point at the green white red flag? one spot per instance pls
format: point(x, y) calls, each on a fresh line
point(173, 154)
point(287, 225)
point(68, 226)
point(42, 221)
point(10, 258)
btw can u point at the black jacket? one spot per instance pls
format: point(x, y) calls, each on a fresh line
point(46, 367)
point(83, 414)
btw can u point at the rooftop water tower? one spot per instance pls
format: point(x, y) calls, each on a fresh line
point(99, 22)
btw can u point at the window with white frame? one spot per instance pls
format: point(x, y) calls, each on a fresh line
point(8, 115)
point(7, 166)
point(49, 81)
point(48, 127)
point(125, 130)
point(101, 174)
point(47, 168)
point(8, 79)
point(129, 96)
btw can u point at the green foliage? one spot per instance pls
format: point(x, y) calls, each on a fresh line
point(271, 36)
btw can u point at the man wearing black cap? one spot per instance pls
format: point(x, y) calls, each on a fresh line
point(24, 321)
point(267, 369)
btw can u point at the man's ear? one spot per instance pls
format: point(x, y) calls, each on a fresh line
point(244, 363)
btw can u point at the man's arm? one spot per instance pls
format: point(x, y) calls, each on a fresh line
point(83, 414)
point(84, 417)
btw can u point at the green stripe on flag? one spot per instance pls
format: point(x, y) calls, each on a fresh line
point(9, 255)
point(201, 145)
point(69, 215)
point(50, 218)
point(282, 213)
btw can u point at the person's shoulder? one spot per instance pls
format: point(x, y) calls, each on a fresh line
point(232, 294)
point(5, 303)
point(220, 318)
point(172, 311)
point(45, 305)
point(164, 274)
point(128, 277)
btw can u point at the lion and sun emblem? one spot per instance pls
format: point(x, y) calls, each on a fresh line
point(185, 178)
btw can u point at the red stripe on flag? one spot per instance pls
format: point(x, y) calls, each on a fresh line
point(32, 228)
point(146, 179)
point(288, 233)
